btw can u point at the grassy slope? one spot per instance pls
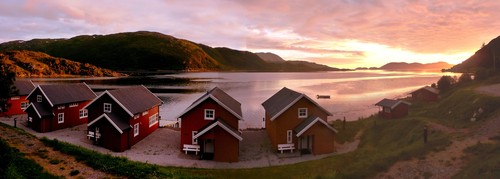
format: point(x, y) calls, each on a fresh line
point(484, 161)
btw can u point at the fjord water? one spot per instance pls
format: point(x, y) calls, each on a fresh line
point(352, 94)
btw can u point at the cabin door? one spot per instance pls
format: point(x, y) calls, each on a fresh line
point(306, 144)
point(209, 146)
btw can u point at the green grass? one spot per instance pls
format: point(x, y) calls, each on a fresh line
point(14, 165)
point(484, 161)
point(116, 165)
point(348, 133)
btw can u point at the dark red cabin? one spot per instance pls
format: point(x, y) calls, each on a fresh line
point(425, 93)
point(19, 103)
point(58, 106)
point(210, 126)
point(392, 109)
point(120, 118)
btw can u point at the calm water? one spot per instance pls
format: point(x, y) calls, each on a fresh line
point(353, 94)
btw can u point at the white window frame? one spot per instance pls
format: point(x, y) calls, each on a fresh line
point(109, 106)
point(136, 116)
point(60, 107)
point(302, 114)
point(39, 98)
point(153, 118)
point(194, 141)
point(289, 136)
point(387, 109)
point(207, 117)
point(84, 113)
point(136, 129)
point(60, 118)
point(72, 105)
point(24, 105)
point(15, 98)
point(145, 113)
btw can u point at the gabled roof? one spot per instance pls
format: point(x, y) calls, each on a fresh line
point(390, 103)
point(132, 99)
point(309, 122)
point(65, 93)
point(39, 109)
point(221, 98)
point(284, 99)
point(235, 133)
point(119, 125)
point(24, 86)
point(428, 88)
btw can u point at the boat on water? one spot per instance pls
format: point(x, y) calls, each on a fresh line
point(323, 96)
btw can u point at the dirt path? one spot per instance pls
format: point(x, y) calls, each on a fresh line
point(493, 90)
point(54, 162)
point(446, 163)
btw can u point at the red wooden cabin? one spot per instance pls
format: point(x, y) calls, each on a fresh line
point(210, 126)
point(425, 93)
point(295, 121)
point(58, 106)
point(392, 109)
point(120, 118)
point(19, 103)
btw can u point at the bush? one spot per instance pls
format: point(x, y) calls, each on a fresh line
point(74, 172)
point(445, 83)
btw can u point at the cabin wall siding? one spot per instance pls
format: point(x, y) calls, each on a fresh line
point(324, 139)
point(15, 106)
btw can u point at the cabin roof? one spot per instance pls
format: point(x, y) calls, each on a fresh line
point(390, 103)
point(24, 86)
point(66, 93)
point(308, 123)
point(427, 88)
point(40, 110)
point(135, 99)
point(284, 99)
point(220, 97)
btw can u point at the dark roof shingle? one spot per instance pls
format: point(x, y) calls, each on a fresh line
point(67, 93)
point(135, 99)
point(390, 103)
point(24, 86)
point(280, 100)
point(220, 97)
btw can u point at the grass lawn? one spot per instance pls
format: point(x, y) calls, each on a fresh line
point(484, 161)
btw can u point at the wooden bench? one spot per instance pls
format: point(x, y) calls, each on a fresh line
point(282, 147)
point(190, 147)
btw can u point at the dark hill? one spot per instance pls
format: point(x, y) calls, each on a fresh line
point(270, 57)
point(487, 57)
point(152, 51)
point(438, 66)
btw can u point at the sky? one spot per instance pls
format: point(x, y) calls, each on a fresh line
point(338, 33)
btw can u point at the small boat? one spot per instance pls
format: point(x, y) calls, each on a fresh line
point(323, 96)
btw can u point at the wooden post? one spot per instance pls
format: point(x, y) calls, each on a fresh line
point(425, 134)
point(15, 121)
point(343, 123)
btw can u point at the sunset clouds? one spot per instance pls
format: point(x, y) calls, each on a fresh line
point(341, 33)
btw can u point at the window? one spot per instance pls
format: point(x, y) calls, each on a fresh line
point(194, 141)
point(107, 107)
point(72, 105)
point(136, 129)
point(136, 116)
point(289, 136)
point(84, 113)
point(387, 110)
point(60, 118)
point(302, 112)
point(144, 113)
point(153, 119)
point(60, 107)
point(15, 98)
point(39, 98)
point(24, 105)
point(209, 114)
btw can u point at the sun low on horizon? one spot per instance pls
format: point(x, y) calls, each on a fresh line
point(338, 33)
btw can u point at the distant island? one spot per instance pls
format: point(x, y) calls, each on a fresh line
point(37, 64)
point(403, 66)
point(151, 51)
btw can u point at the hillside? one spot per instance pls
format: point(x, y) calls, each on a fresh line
point(487, 57)
point(151, 51)
point(37, 64)
point(438, 66)
point(270, 57)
